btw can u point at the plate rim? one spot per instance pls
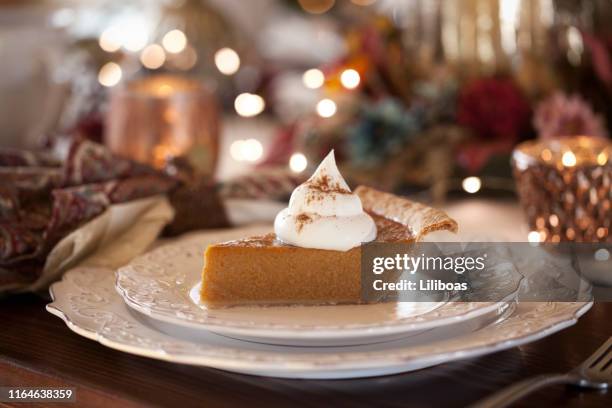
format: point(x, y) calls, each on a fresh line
point(319, 334)
point(274, 331)
point(302, 369)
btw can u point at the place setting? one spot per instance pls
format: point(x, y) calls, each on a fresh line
point(165, 305)
point(305, 202)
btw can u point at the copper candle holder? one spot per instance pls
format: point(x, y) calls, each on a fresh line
point(156, 118)
point(565, 188)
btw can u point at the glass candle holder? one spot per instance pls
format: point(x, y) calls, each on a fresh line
point(565, 188)
point(156, 118)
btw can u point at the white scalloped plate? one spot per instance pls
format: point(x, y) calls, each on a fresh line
point(162, 284)
point(89, 304)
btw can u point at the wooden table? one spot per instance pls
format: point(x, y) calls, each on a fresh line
point(37, 349)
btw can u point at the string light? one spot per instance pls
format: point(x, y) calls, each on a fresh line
point(134, 37)
point(326, 108)
point(252, 150)
point(249, 150)
point(174, 41)
point(568, 159)
point(298, 162)
point(227, 61)
point(471, 184)
point(249, 105)
point(350, 78)
point(110, 39)
point(313, 78)
point(110, 74)
point(153, 56)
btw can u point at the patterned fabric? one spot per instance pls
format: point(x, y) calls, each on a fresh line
point(268, 184)
point(41, 201)
point(18, 158)
point(90, 162)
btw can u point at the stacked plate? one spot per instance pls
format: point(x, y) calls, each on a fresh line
point(151, 308)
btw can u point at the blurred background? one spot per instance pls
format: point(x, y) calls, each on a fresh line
point(223, 107)
point(415, 96)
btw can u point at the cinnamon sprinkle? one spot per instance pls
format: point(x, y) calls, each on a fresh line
point(324, 184)
point(301, 220)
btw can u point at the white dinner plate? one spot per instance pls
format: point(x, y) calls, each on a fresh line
point(163, 284)
point(87, 301)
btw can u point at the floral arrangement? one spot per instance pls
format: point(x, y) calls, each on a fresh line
point(404, 120)
point(497, 114)
point(380, 129)
point(567, 115)
point(494, 109)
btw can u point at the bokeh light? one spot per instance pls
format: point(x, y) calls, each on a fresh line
point(134, 38)
point(546, 155)
point(533, 237)
point(153, 56)
point(602, 158)
point(174, 41)
point(249, 150)
point(110, 39)
point(568, 159)
point(249, 105)
point(471, 184)
point(326, 108)
point(236, 150)
point(298, 162)
point(350, 79)
point(313, 78)
point(110, 74)
point(553, 220)
point(227, 61)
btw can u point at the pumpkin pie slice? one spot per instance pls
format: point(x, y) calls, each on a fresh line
point(263, 270)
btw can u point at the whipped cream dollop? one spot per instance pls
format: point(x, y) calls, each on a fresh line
point(324, 214)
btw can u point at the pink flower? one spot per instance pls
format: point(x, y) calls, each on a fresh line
point(562, 115)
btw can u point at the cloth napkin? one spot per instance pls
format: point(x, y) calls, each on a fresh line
point(55, 214)
point(110, 240)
